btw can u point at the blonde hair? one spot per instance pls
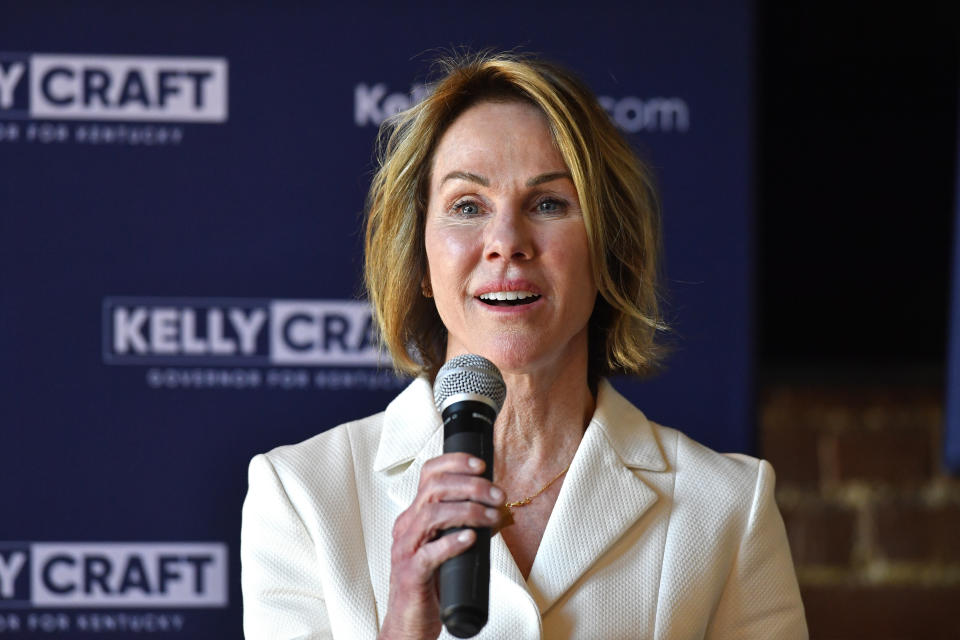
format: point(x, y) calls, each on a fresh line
point(617, 198)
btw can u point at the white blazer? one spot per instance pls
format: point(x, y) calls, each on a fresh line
point(652, 536)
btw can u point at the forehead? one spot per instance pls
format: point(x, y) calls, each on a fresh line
point(491, 138)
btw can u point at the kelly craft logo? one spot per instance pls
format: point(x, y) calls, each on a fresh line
point(247, 343)
point(101, 575)
point(61, 98)
point(239, 331)
point(108, 87)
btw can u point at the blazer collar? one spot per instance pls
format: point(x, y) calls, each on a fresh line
point(627, 430)
point(408, 424)
point(412, 418)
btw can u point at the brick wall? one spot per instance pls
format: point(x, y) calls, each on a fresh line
point(873, 521)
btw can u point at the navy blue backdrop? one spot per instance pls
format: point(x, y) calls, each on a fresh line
point(952, 438)
point(180, 262)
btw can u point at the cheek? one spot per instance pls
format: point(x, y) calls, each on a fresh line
point(573, 254)
point(449, 251)
point(448, 274)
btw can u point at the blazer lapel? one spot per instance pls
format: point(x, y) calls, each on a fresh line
point(412, 434)
point(602, 496)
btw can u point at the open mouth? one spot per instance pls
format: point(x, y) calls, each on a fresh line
point(508, 298)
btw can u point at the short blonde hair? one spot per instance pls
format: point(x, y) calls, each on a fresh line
point(617, 198)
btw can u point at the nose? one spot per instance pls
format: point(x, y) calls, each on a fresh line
point(509, 236)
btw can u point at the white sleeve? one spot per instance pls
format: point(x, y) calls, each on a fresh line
point(761, 598)
point(280, 577)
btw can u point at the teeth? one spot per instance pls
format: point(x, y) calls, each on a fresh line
point(507, 295)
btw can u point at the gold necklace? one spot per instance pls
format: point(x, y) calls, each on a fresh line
point(525, 501)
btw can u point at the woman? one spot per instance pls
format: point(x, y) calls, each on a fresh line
point(509, 219)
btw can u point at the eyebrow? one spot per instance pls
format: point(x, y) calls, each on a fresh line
point(532, 182)
point(548, 177)
point(463, 175)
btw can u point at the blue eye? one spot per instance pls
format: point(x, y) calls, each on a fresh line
point(467, 208)
point(549, 206)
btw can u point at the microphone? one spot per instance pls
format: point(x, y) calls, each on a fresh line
point(469, 392)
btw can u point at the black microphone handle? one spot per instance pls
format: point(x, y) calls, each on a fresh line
point(464, 580)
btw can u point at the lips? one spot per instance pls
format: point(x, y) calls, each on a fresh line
point(508, 293)
point(508, 298)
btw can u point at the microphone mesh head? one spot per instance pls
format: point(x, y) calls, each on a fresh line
point(469, 373)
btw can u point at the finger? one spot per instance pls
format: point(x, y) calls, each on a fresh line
point(453, 463)
point(474, 488)
point(431, 555)
point(441, 516)
point(421, 523)
point(452, 487)
point(424, 525)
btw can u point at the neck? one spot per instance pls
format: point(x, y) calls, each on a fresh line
point(541, 425)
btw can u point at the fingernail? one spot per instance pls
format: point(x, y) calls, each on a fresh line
point(496, 494)
point(492, 514)
point(463, 536)
point(476, 463)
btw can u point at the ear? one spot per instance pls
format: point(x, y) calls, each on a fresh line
point(425, 287)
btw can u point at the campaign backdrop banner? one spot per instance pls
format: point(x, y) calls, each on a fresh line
point(952, 431)
point(180, 263)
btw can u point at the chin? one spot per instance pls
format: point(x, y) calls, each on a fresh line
point(515, 354)
point(523, 351)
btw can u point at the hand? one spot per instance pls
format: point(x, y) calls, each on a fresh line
point(451, 494)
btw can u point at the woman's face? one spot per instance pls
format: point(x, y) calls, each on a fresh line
point(507, 250)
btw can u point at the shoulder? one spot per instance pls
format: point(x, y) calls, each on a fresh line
point(715, 485)
point(351, 451)
point(643, 443)
point(335, 449)
point(725, 493)
point(310, 481)
point(699, 466)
